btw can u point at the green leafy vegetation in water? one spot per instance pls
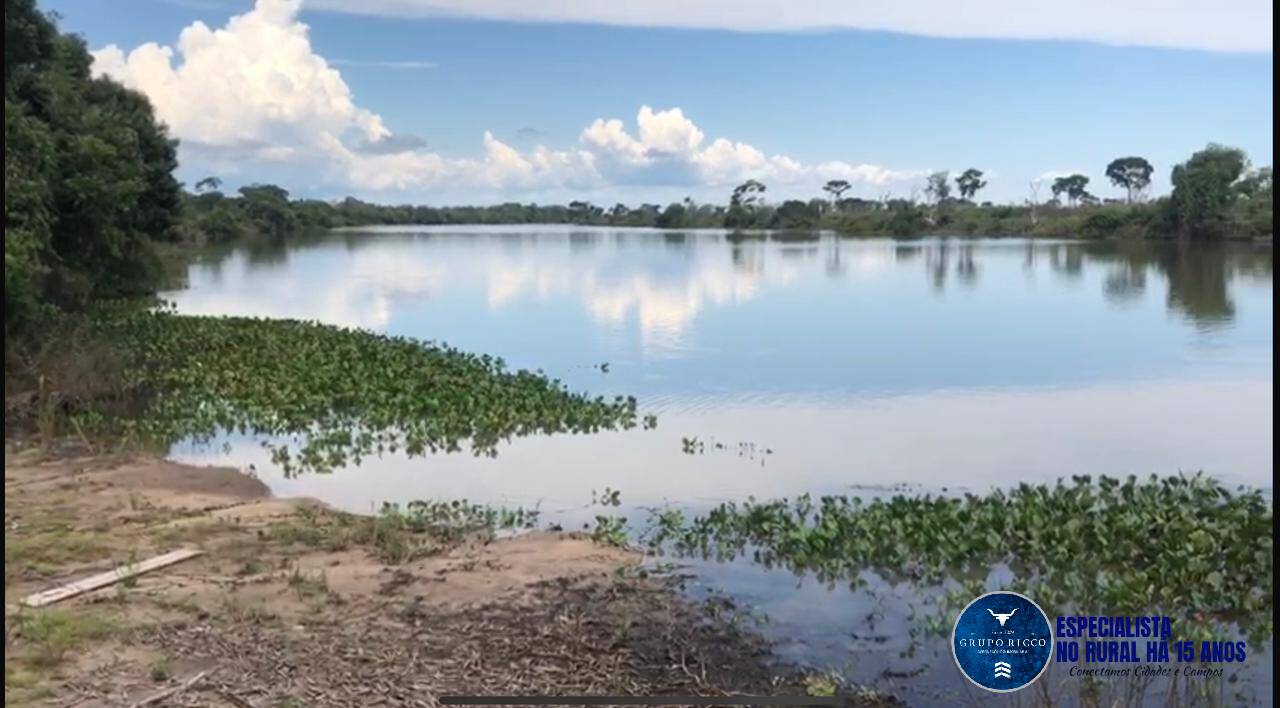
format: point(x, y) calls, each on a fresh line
point(610, 531)
point(1180, 546)
point(327, 396)
point(399, 534)
point(749, 450)
point(607, 497)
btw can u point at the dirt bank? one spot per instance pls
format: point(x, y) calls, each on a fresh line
point(292, 603)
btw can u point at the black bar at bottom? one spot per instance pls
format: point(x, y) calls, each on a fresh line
point(639, 700)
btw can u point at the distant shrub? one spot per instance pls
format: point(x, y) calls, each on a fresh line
point(1103, 223)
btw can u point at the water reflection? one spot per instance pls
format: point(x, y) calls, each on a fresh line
point(759, 330)
point(933, 362)
point(1196, 278)
point(943, 259)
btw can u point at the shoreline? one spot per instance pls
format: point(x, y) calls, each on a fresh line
point(755, 233)
point(282, 607)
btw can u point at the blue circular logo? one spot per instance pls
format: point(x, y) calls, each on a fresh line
point(1002, 641)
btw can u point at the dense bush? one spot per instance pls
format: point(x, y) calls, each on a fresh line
point(1216, 194)
point(88, 176)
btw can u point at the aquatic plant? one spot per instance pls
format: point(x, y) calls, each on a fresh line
point(607, 497)
point(692, 446)
point(455, 518)
point(610, 531)
point(331, 395)
point(398, 534)
point(1182, 546)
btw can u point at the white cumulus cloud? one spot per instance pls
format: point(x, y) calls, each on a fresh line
point(255, 93)
point(670, 145)
point(255, 82)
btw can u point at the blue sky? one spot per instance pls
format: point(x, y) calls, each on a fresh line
point(391, 100)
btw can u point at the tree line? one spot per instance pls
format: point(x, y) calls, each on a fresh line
point(1216, 193)
point(91, 198)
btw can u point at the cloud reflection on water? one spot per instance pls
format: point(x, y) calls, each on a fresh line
point(860, 363)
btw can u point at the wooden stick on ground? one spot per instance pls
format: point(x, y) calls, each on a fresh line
point(111, 577)
point(168, 692)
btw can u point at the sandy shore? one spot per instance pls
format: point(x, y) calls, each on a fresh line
point(288, 607)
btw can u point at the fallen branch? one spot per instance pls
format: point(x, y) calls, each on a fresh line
point(157, 697)
point(235, 700)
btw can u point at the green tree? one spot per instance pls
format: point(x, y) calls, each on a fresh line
point(1256, 184)
point(673, 217)
point(1075, 187)
point(938, 187)
point(747, 194)
point(835, 188)
point(905, 218)
point(1258, 191)
point(744, 203)
point(795, 214)
point(220, 223)
point(969, 182)
point(88, 175)
point(267, 206)
point(208, 184)
point(1205, 187)
point(1131, 173)
point(580, 212)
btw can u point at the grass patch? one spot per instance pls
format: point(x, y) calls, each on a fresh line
point(48, 549)
point(308, 584)
point(25, 685)
point(186, 603)
point(16, 678)
point(161, 669)
point(235, 609)
point(191, 529)
point(47, 635)
point(137, 502)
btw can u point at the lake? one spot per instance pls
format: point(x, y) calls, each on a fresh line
point(779, 364)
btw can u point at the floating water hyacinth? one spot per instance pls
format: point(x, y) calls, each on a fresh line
point(337, 394)
point(1181, 546)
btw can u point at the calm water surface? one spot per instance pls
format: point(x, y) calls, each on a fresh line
point(804, 364)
